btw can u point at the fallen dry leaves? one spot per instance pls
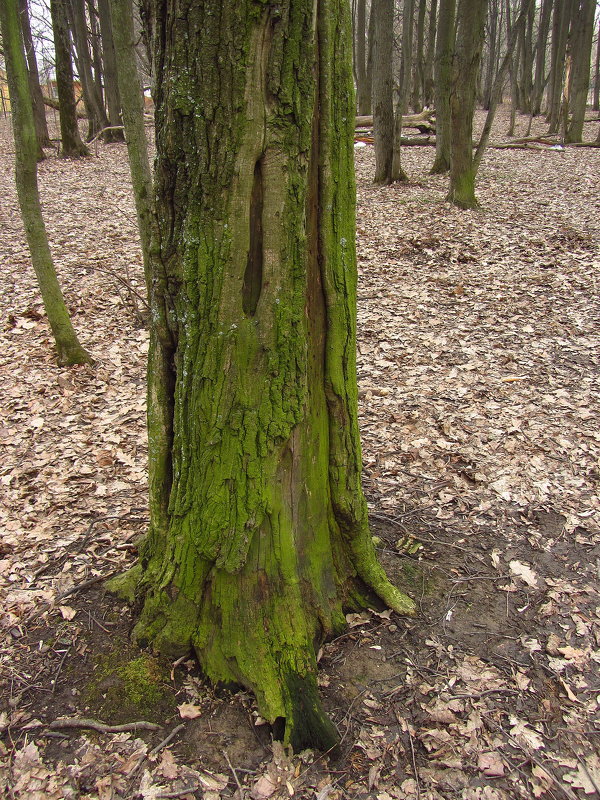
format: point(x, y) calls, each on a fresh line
point(478, 380)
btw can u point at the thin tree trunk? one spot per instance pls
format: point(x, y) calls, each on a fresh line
point(398, 174)
point(430, 54)
point(39, 109)
point(540, 57)
point(469, 42)
point(71, 143)
point(69, 351)
point(581, 57)
point(111, 86)
point(266, 537)
point(382, 12)
point(444, 52)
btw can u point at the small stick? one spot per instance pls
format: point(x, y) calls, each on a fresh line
point(101, 727)
point(166, 741)
point(84, 585)
point(414, 762)
point(239, 785)
point(60, 666)
point(180, 793)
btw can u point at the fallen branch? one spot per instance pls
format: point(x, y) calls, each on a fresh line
point(408, 121)
point(101, 727)
point(166, 741)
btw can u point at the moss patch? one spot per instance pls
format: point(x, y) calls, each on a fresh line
point(122, 690)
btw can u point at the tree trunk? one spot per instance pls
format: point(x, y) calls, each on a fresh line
point(540, 57)
point(131, 95)
point(39, 109)
point(581, 57)
point(429, 56)
point(398, 173)
point(111, 88)
point(526, 62)
point(259, 536)
point(382, 12)
point(469, 42)
point(444, 52)
point(69, 351)
point(71, 143)
point(363, 88)
point(98, 120)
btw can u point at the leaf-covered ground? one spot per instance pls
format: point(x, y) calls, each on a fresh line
point(478, 374)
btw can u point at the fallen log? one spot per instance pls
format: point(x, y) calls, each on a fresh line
point(51, 102)
point(408, 121)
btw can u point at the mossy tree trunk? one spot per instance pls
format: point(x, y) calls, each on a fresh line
point(71, 144)
point(444, 50)
point(259, 535)
point(470, 20)
point(69, 350)
point(111, 86)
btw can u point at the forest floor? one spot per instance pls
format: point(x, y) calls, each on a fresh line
point(479, 365)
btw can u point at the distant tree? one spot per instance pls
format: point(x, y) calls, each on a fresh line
point(69, 351)
point(92, 95)
point(418, 79)
point(444, 51)
point(382, 12)
point(539, 80)
point(363, 87)
point(398, 173)
point(596, 100)
point(561, 22)
point(430, 55)
point(470, 19)
point(39, 109)
point(111, 86)
point(580, 52)
point(259, 534)
point(71, 143)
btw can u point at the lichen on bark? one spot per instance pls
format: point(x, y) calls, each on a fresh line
point(259, 536)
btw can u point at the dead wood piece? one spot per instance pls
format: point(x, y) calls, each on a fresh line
point(167, 740)
point(101, 727)
point(51, 102)
point(408, 121)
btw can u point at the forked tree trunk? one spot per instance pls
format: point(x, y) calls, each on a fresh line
point(429, 55)
point(469, 42)
point(444, 51)
point(540, 56)
point(92, 97)
point(259, 536)
point(71, 143)
point(69, 351)
point(382, 12)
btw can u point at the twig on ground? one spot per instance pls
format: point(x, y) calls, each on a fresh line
point(101, 727)
point(167, 740)
point(414, 763)
point(84, 585)
point(58, 671)
point(234, 773)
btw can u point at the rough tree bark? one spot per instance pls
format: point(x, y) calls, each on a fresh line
point(259, 535)
point(71, 143)
point(444, 51)
point(470, 19)
point(418, 80)
point(382, 12)
point(69, 351)
point(561, 22)
point(39, 109)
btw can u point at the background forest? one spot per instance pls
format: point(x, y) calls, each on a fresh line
point(478, 198)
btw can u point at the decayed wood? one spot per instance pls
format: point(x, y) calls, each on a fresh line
point(408, 121)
